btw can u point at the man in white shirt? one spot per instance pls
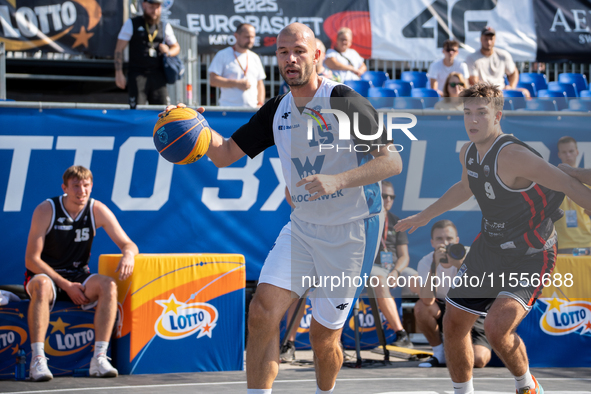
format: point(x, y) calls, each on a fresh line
point(436, 271)
point(440, 69)
point(238, 72)
point(343, 60)
point(490, 64)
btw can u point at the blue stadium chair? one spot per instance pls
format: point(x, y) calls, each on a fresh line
point(402, 88)
point(408, 103)
point(540, 105)
point(430, 96)
point(569, 89)
point(558, 97)
point(585, 94)
point(517, 98)
point(381, 97)
point(508, 105)
point(513, 93)
point(580, 80)
point(539, 80)
point(533, 92)
point(361, 87)
point(377, 78)
point(417, 78)
point(579, 105)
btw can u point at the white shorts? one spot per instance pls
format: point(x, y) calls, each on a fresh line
point(336, 260)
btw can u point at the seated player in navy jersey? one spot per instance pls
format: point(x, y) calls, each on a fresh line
point(58, 250)
point(335, 225)
point(519, 194)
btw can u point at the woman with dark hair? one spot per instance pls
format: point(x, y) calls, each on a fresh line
point(454, 84)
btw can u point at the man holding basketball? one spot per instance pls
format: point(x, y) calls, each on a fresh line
point(335, 225)
point(519, 194)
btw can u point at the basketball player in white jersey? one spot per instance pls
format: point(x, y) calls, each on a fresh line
point(335, 226)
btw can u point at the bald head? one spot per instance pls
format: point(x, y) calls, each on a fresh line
point(297, 55)
point(300, 32)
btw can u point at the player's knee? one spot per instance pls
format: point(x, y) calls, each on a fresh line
point(260, 316)
point(108, 287)
point(481, 358)
point(40, 288)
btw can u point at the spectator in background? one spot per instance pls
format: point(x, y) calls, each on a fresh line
point(430, 307)
point(345, 63)
point(238, 72)
point(440, 69)
point(452, 87)
point(490, 64)
point(574, 229)
point(148, 42)
point(391, 261)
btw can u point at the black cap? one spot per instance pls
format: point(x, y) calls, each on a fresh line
point(488, 31)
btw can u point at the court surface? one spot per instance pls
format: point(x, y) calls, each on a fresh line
point(400, 377)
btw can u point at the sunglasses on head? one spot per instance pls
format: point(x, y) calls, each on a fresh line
point(454, 84)
point(451, 50)
point(389, 196)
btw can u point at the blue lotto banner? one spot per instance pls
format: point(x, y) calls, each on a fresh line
point(199, 208)
point(69, 344)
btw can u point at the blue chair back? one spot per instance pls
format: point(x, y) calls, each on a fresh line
point(569, 89)
point(585, 94)
point(377, 78)
point(518, 102)
point(408, 103)
point(508, 105)
point(579, 105)
point(430, 96)
point(539, 80)
point(580, 80)
point(558, 97)
point(402, 88)
point(361, 87)
point(531, 87)
point(540, 105)
point(381, 97)
point(513, 93)
point(417, 78)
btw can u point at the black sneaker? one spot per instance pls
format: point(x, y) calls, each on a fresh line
point(402, 340)
point(287, 353)
point(432, 362)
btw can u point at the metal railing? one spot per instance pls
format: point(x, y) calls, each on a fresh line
point(182, 90)
point(2, 71)
point(393, 68)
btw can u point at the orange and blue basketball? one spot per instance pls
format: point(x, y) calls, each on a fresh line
point(182, 136)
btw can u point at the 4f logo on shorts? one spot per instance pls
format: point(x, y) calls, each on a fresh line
point(342, 306)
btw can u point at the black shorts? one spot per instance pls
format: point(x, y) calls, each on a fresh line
point(477, 332)
point(77, 276)
point(486, 275)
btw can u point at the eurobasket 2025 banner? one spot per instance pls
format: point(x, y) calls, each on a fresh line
point(66, 26)
point(216, 20)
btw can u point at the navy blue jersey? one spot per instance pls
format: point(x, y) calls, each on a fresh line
point(513, 221)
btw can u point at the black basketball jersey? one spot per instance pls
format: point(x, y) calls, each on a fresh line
point(140, 45)
point(68, 240)
point(513, 221)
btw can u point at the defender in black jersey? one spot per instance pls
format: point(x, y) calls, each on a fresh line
point(519, 194)
point(58, 250)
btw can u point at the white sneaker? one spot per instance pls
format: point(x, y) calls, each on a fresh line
point(39, 372)
point(101, 367)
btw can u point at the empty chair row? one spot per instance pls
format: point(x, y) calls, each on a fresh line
point(417, 79)
point(402, 89)
point(572, 84)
